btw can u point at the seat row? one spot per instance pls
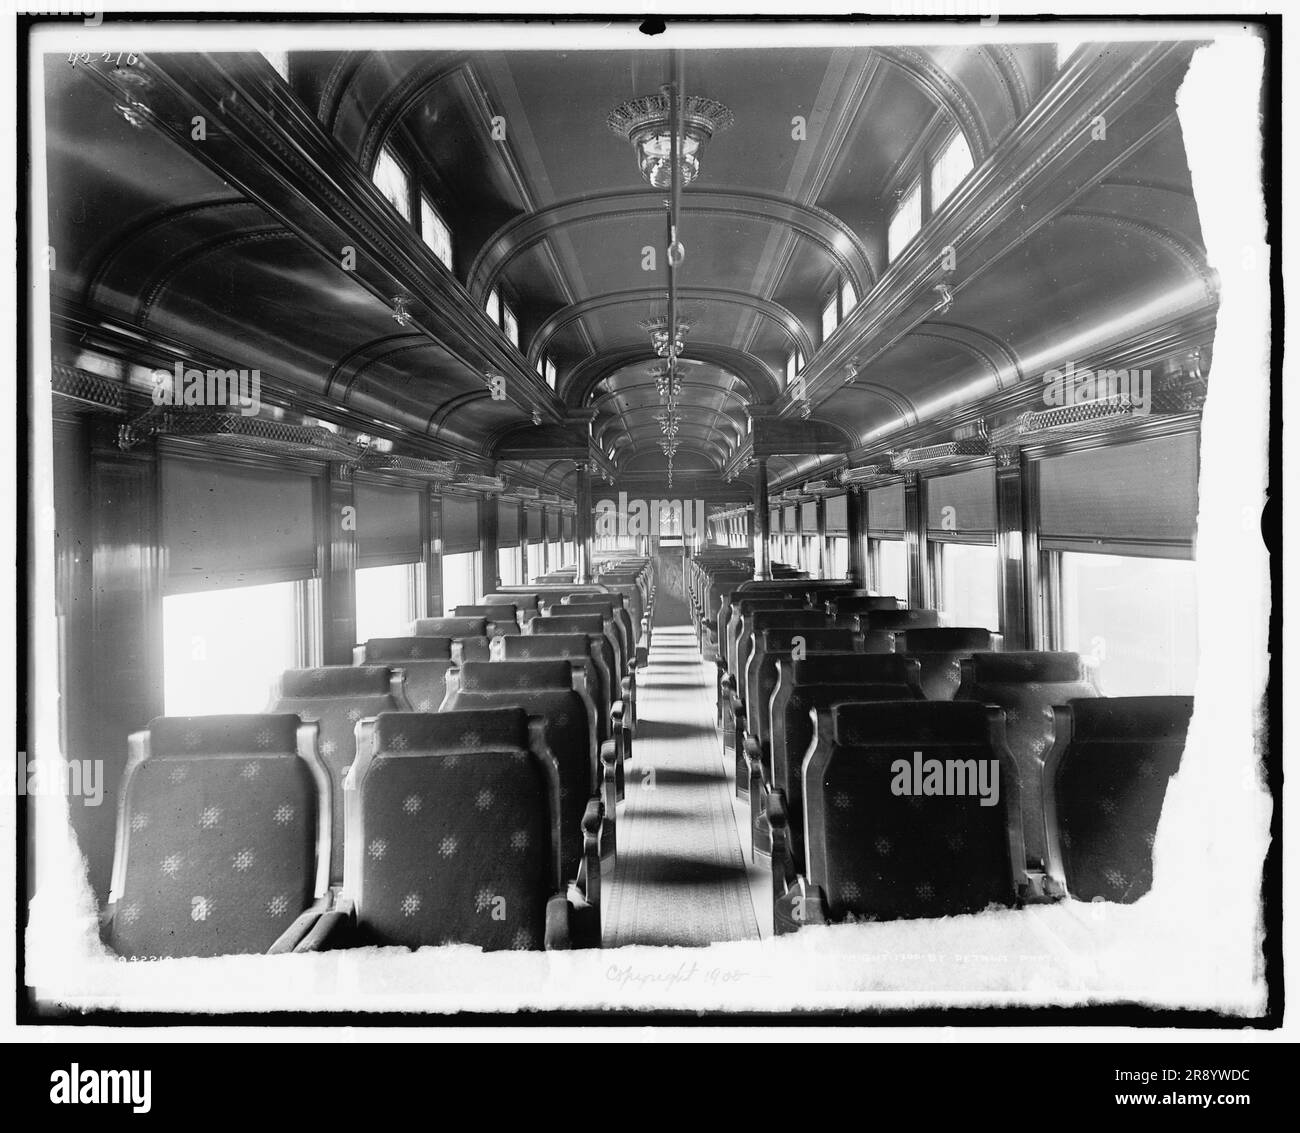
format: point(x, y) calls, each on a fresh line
point(488, 820)
point(791, 649)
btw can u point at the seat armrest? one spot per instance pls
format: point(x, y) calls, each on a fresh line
point(753, 755)
point(593, 822)
point(330, 930)
point(608, 791)
point(303, 923)
point(558, 936)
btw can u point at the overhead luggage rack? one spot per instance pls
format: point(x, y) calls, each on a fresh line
point(867, 475)
point(935, 456)
point(1067, 420)
point(438, 471)
point(239, 431)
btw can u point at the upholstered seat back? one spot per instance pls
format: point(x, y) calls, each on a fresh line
point(338, 698)
point(757, 621)
point(502, 619)
point(859, 604)
point(223, 835)
point(739, 613)
point(1028, 685)
point(545, 689)
point(895, 620)
point(1106, 779)
point(941, 651)
point(588, 624)
point(611, 608)
point(424, 660)
point(571, 647)
point(760, 673)
point(880, 843)
point(453, 833)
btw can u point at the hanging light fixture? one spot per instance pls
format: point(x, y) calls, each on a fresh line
point(657, 329)
point(644, 122)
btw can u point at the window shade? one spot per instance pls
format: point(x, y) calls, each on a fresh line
point(774, 522)
point(788, 520)
point(552, 526)
point(507, 524)
point(1140, 498)
point(459, 524)
point(810, 519)
point(837, 515)
point(566, 526)
point(388, 524)
point(961, 504)
point(885, 511)
point(534, 525)
point(225, 525)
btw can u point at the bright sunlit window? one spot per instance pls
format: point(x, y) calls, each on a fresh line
point(838, 564)
point(1136, 617)
point(790, 368)
point(534, 561)
point(891, 568)
point(386, 600)
point(508, 566)
point(550, 372)
point(510, 324)
point(434, 231)
point(224, 650)
point(969, 575)
point(949, 169)
point(848, 299)
point(493, 306)
point(460, 580)
point(392, 180)
point(830, 317)
point(906, 221)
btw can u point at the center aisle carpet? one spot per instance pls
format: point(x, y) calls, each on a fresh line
point(681, 874)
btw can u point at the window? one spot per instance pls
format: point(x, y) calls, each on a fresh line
point(550, 374)
point(1136, 616)
point(280, 61)
point(906, 221)
point(791, 369)
point(459, 580)
point(837, 565)
point(435, 232)
point(830, 316)
point(388, 599)
point(968, 584)
point(949, 169)
point(891, 567)
point(510, 324)
point(508, 566)
point(848, 299)
point(535, 570)
point(555, 555)
point(210, 663)
point(493, 306)
point(392, 180)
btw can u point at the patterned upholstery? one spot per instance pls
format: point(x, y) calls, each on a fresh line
point(593, 628)
point(502, 619)
point(452, 831)
point(760, 675)
point(424, 660)
point(878, 855)
point(1027, 686)
point(941, 652)
point(218, 836)
point(799, 688)
point(338, 698)
point(757, 621)
point(611, 606)
point(899, 619)
point(449, 627)
point(570, 647)
point(1106, 778)
point(545, 689)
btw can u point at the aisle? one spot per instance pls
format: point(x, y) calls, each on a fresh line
point(681, 876)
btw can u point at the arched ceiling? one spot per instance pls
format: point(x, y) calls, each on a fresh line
point(547, 205)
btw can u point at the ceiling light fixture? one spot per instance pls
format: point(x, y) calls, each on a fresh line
point(644, 122)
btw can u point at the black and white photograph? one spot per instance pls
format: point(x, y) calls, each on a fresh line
point(591, 520)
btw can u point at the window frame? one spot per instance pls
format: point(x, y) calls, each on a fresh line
point(915, 187)
point(402, 167)
point(428, 207)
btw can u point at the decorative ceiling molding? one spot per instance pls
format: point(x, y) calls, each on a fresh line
point(1003, 362)
point(762, 308)
point(1192, 258)
point(405, 94)
point(944, 89)
point(336, 86)
point(835, 238)
point(158, 282)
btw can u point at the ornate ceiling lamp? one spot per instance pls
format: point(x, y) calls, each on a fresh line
point(645, 123)
point(670, 423)
point(657, 329)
